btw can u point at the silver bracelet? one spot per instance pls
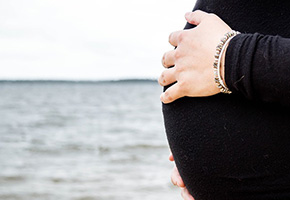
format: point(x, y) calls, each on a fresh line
point(218, 57)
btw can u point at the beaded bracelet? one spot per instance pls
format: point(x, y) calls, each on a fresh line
point(218, 57)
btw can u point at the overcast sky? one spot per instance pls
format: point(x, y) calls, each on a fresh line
point(87, 39)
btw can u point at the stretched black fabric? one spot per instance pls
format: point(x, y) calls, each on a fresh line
point(237, 146)
point(258, 67)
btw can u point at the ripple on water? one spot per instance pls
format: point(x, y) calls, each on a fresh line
point(12, 178)
point(75, 141)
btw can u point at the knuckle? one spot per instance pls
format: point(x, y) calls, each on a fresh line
point(182, 87)
point(211, 16)
point(179, 69)
point(177, 54)
point(181, 36)
point(198, 12)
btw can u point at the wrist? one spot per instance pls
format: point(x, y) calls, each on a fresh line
point(218, 64)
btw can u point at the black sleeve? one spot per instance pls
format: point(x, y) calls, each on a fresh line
point(258, 67)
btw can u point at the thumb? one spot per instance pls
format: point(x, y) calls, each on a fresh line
point(195, 17)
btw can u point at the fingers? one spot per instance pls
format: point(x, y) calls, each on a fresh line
point(171, 157)
point(186, 195)
point(168, 59)
point(172, 93)
point(175, 37)
point(196, 17)
point(176, 178)
point(167, 77)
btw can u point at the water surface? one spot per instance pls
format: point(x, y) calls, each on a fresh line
point(83, 141)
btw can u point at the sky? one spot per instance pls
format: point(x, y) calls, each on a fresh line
point(87, 39)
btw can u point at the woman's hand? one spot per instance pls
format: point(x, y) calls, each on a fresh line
point(193, 58)
point(177, 180)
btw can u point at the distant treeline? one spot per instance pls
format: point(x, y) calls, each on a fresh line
point(82, 81)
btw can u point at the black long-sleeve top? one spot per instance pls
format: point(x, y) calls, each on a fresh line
point(258, 67)
point(238, 146)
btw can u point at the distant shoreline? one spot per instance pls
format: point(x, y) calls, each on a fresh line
point(80, 81)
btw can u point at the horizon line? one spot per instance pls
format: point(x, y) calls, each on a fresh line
point(82, 80)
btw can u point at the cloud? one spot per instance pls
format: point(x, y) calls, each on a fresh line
point(88, 39)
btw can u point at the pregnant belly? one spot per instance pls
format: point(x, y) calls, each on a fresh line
point(226, 147)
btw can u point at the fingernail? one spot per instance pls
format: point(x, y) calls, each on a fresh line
point(179, 185)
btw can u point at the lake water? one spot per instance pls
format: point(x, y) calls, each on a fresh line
point(83, 141)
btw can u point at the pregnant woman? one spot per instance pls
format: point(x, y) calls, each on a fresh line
point(231, 146)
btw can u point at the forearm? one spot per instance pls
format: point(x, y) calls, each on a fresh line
point(258, 67)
